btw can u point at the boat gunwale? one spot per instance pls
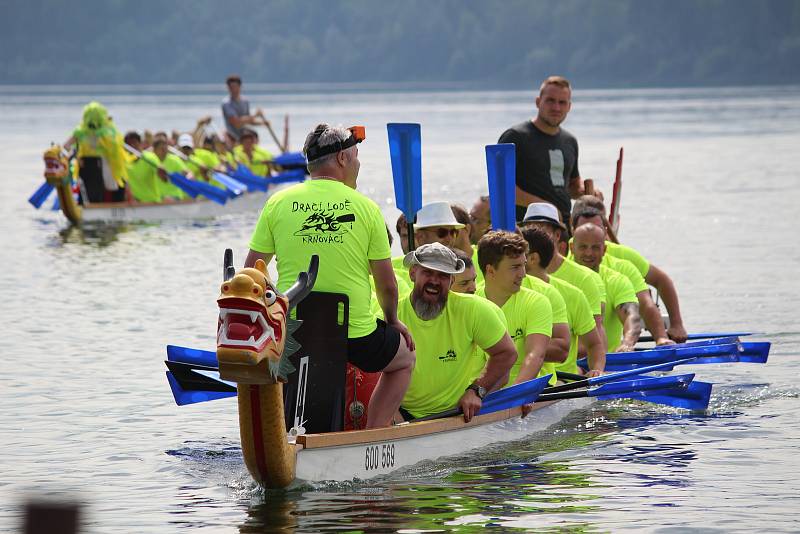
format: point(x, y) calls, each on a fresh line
point(410, 430)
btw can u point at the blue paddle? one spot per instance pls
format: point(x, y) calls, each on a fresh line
point(713, 341)
point(207, 358)
point(509, 397)
point(56, 204)
point(183, 396)
point(582, 381)
point(705, 335)
point(673, 391)
point(232, 187)
point(40, 195)
point(501, 163)
point(180, 181)
point(405, 151)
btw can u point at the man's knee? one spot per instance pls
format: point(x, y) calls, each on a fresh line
point(404, 359)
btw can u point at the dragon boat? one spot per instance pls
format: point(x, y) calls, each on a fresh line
point(284, 357)
point(59, 178)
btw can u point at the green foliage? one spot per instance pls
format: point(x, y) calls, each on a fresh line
point(491, 42)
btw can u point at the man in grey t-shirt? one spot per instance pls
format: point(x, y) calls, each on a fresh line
point(236, 110)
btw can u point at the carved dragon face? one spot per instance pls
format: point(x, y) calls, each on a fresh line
point(56, 165)
point(252, 328)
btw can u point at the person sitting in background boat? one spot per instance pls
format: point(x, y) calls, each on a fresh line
point(621, 319)
point(465, 281)
point(447, 328)
point(143, 181)
point(100, 155)
point(544, 216)
point(653, 275)
point(200, 162)
point(326, 216)
point(647, 308)
point(582, 327)
point(251, 155)
point(167, 164)
point(527, 314)
point(236, 111)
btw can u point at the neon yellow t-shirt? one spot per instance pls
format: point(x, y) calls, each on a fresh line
point(207, 159)
point(627, 253)
point(404, 288)
point(619, 291)
point(586, 280)
point(344, 227)
point(256, 163)
point(559, 314)
point(447, 359)
point(526, 312)
point(172, 163)
point(478, 273)
point(580, 318)
point(626, 269)
point(143, 180)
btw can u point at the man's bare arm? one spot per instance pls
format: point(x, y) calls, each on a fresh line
point(386, 291)
point(596, 352)
point(558, 347)
point(252, 256)
point(502, 356)
point(535, 349)
point(666, 289)
point(652, 318)
point(628, 313)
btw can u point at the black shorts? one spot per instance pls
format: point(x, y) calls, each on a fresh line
point(374, 352)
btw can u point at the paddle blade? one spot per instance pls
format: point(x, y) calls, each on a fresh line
point(501, 165)
point(184, 184)
point(405, 150)
point(705, 335)
point(205, 358)
point(213, 193)
point(183, 397)
point(291, 160)
point(754, 352)
point(695, 396)
point(40, 195)
point(56, 204)
point(640, 383)
point(295, 175)
point(516, 395)
point(611, 377)
point(252, 181)
point(233, 185)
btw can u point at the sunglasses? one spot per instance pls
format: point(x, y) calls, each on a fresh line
point(441, 233)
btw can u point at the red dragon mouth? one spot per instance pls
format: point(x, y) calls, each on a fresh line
point(241, 326)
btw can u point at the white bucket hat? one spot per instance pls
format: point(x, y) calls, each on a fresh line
point(436, 214)
point(543, 212)
point(185, 140)
point(436, 257)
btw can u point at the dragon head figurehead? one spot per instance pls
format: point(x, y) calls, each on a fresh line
point(254, 334)
point(56, 165)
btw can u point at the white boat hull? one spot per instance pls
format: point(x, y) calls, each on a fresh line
point(378, 458)
point(201, 208)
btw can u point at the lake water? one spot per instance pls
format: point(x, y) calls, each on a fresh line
point(711, 191)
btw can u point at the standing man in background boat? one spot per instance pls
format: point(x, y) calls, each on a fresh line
point(547, 155)
point(449, 327)
point(236, 110)
point(325, 215)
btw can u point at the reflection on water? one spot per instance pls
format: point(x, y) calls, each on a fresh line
point(97, 234)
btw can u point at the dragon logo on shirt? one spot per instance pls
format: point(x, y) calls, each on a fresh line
point(449, 357)
point(326, 222)
point(517, 333)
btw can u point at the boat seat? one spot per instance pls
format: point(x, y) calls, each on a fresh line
point(314, 396)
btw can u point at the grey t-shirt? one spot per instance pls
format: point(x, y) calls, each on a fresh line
point(234, 108)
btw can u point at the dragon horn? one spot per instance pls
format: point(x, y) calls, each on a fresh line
point(304, 284)
point(228, 271)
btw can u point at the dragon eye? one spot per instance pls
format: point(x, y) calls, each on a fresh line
point(270, 296)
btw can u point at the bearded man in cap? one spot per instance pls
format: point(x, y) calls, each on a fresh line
point(448, 328)
point(325, 215)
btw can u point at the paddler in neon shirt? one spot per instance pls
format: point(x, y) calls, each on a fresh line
point(434, 223)
point(465, 281)
point(647, 308)
point(653, 275)
point(143, 182)
point(544, 216)
point(251, 155)
point(168, 164)
point(327, 216)
point(447, 328)
point(528, 315)
point(579, 315)
point(200, 161)
point(102, 162)
point(621, 318)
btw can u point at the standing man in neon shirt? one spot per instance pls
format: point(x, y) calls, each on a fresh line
point(325, 215)
point(547, 155)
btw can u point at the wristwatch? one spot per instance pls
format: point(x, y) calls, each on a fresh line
point(480, 391)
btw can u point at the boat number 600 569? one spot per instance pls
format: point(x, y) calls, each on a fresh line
point(379, 456)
